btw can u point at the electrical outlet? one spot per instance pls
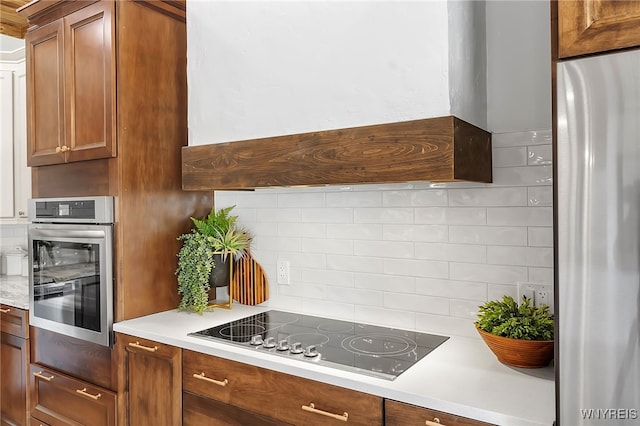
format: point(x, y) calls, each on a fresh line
point(283, 272)
point(540, 294)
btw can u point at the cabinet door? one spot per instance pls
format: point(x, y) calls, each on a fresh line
point(45, 95)
point(592, 26)
point(152, 381)
point(14, 391)
point(401, 414)
point(60, 399)
point(89, 83)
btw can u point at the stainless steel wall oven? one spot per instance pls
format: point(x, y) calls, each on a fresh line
point(71, 258)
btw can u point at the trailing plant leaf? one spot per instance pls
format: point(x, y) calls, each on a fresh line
point(195, 262)
point(508, 319)
point(215, 233)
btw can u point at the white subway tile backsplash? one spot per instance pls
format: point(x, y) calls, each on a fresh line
point(329, 246)
point(488, 197)
point(400, 318)
point(464, 290)
point(416, 255)
point(526, 176)
point(396, 283)
point(522, 256)
point(426, 233)
point(356, 296)
point(541, 236)
point(541, 275)
point(451, 252)
point(355, 231)
point(510, 156)
point(539, 155)
point(327, 215)
point(417, 303)
point(495, 274)
point(383, 248)
point(415, 198)
point(354, 199)
point(540, 195)
point(520, 216)
point(416, 268)
point(383, 215)
point(451, 215)
point(489, 235)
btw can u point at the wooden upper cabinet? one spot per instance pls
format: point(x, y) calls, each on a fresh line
point(593, 26)
point(71, 88)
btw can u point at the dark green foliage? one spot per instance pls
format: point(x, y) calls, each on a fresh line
point(215, 233)
point(508, 319)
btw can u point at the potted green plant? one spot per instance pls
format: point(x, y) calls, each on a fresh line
point(204, 260)
point(520, 335)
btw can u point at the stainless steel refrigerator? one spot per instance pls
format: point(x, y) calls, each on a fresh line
point(598, 240)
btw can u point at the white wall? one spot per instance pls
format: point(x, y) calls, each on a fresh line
point(259, 69)
point(415, 255)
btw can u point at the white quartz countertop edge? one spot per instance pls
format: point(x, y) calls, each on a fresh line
point(461, 376)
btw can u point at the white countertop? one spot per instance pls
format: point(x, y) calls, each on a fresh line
point(462, 376)
point(14, 291)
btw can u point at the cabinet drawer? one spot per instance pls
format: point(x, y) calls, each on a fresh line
point(35, 422)
point(59, 399)
point(401, 414)
point(198, 410)
point(14, 321)
point(277, 395)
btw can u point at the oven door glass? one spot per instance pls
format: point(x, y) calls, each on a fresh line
point(71, 280)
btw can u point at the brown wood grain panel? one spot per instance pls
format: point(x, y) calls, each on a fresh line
point(42, 12)
point(198, 410)
point(277, 395)
point(85, 178)
point(592, 26)
point(45, 95)
point(150, 381)
point(401, 414)
point(396, 152)
point(14, 386)
point(152, 128)
point(14, 321)
point(90, 119)
point(78, 358)
point(60, 399)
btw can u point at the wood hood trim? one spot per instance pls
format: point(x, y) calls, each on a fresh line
point(439, 149)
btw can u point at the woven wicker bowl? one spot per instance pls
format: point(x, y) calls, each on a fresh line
point(519, 353)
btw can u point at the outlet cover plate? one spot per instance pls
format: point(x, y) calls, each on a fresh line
point(540, 294)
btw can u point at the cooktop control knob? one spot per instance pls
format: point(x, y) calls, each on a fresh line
point(256, 340)
point(283, 345)
point(296, 348)
point(311, 351)
point(269, 343)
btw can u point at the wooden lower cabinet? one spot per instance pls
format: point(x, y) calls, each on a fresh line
point(150, 379)
point(275, 395)
point(58, 399)
point(35, 422)
point(401, 414)
point(14, 368)
point(198, 410)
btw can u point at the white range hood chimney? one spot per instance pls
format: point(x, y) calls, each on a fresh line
point(262, 69)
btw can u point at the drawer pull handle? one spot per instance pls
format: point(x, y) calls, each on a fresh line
point(312, 409)
point(40, 375)
point(201, 376)
point(435, 422)
point(146, 348)
point(5, 311)
point(85, 393)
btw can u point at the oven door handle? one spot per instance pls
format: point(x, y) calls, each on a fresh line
point(67, 233)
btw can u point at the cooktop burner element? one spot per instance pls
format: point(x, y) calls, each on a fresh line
point(368, 349)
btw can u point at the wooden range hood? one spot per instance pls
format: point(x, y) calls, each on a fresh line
point(442, 149)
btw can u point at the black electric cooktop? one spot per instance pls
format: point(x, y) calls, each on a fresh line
point(351, 346)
